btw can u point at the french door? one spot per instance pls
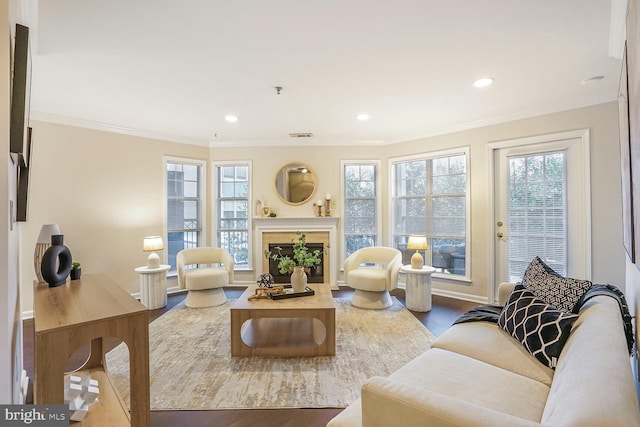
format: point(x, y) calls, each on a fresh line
point(542, 205)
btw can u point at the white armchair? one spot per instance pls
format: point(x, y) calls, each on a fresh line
point(205, 281)
point(373, 272)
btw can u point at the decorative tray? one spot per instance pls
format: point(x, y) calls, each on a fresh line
point(288, 293)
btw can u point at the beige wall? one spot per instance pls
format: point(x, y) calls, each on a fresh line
point(602, 122)
point(105, 190)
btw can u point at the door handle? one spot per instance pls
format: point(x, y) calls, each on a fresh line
point(500, 235)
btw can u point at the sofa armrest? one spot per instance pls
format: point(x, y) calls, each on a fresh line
point(386, 402)
point(504, 290)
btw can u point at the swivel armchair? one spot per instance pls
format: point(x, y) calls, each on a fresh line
point(199, 274)
point(373, 272)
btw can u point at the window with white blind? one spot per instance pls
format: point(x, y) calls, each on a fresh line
point(429, 198)
point(537, 211)
point(184, 190)
point(360, 186)
point(232, 209)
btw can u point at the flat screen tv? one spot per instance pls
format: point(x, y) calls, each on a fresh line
point(20, 94)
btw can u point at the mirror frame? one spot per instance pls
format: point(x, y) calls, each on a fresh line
point(279, 178)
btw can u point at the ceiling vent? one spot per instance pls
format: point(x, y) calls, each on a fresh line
point(301, 135)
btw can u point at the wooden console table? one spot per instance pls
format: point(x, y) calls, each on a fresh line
point(91, 310)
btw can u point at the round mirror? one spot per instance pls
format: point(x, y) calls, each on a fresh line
point(295, 183)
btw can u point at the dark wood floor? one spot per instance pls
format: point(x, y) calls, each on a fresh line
point(442, 315)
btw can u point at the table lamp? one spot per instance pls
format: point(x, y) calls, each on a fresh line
point(153, 244)
point(419, 243)
point(42, 244)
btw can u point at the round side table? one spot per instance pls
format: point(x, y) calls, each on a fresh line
point(418, 291)
point(153, 286)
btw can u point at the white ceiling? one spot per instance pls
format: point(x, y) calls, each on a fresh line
point(174, 69)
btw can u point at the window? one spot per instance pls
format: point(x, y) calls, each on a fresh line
point(184, 206)
point(232, 210)
point(430, 198)
point(537, 211)
point(361, 210)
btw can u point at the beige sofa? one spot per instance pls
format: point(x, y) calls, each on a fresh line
point(476, 374)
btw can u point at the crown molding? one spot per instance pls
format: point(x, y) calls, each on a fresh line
point(107, 127)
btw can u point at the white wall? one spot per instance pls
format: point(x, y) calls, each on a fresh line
point(10, 324)
point(105, 191)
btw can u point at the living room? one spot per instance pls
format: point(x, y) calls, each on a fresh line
point(105, 188)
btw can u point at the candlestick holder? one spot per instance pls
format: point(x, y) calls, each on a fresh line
point(318, 209)
point(327, 207)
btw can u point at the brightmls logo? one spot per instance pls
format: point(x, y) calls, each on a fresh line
point(34, 415)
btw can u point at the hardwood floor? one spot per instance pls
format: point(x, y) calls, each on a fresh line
point(443, 313)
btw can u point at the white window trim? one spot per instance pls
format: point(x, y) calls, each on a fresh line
point(214, 210)
point(431, 155)
point(378, 164)
point(203, 194)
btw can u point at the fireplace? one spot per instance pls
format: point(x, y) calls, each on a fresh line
point(314, 274)
point(282, 231)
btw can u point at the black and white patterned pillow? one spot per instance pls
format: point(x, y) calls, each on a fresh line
point(561, 292)
point(540, 327)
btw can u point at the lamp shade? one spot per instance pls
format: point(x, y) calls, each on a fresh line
point(152, 243)
point(46, 232)
point(418, 243)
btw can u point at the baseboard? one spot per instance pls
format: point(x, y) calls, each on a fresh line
point(460, 296)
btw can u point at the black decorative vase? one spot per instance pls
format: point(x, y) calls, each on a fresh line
point(56, 262)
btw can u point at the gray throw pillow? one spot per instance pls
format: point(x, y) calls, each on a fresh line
point(538, 326)
point(561, 292)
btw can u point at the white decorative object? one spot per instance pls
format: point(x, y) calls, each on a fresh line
point(80, 394)
point(42, 244)
point(153, 244)
point(298, 279)
point(418, 287)
point(153, 286)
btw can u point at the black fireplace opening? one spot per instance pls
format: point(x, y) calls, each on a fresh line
point(314, 274)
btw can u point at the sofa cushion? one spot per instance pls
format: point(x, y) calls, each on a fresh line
point(488, 342)
point(561, 292)
point(593, 383)
point(464, 378)
point(540, 327)
point(369, 279)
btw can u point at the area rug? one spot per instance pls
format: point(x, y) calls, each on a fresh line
point(191, 367)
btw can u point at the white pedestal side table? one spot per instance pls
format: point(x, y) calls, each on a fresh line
point(153, 286)
point(418, 291)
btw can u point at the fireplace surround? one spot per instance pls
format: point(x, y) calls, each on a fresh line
point(283, 230)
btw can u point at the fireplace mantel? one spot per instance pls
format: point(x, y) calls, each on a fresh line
point(305, 225)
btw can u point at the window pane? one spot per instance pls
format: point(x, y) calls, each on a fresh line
point(360, 206)
point(184, 225)
point(232, 206)
point(537, 212)
point(430, 199)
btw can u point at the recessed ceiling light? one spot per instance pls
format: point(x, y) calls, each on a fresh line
point(483, 82)
point(231, 118)
point(592, 80)
point(363, 117)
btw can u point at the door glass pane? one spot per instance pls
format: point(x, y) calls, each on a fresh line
point(537, 212)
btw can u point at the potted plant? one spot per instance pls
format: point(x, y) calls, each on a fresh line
point(76, 271)
point(296, 265)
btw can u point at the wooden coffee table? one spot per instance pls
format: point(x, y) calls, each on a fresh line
point(300, 326)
